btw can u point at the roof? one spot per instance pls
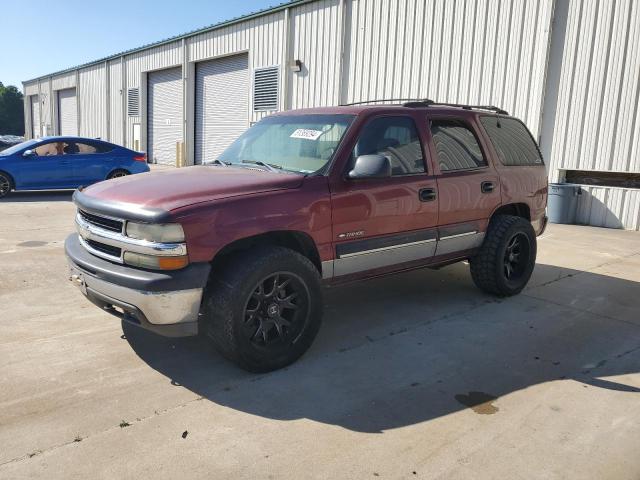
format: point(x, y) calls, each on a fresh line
point(215, 26)
point(355, 109)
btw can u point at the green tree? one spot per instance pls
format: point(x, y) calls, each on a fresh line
point(11, 111)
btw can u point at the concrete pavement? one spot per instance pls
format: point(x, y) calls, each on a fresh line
point(414, 376)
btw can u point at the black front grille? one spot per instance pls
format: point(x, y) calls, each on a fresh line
point(102, 222)
point(104, 248)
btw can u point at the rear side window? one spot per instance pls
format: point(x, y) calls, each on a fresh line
point(85, 148)
point(512, 141)
point(395, 138)
point(456, 146)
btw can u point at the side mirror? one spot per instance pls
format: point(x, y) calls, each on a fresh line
point(28, 153)
point(371, 166)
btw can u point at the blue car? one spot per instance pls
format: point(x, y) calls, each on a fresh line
point(52, 163)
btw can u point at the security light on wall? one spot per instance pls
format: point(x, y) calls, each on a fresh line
point(295, 66)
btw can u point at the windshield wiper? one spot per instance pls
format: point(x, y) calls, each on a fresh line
point(269, 166)
point(219, 162)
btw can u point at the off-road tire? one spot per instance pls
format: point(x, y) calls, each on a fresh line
point(118, 173)
point(226, 301)
point(488, 266)
point(6, 184)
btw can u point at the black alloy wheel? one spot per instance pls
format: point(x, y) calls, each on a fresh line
point(276, 310)
point(516, 256)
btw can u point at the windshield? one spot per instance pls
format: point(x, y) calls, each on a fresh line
point(18, 147)
point(296, 143)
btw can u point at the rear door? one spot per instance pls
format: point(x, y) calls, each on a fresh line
point(386, 223)
point(468, 185)
point(91, 161)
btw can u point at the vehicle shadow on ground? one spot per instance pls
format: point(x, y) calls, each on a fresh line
point(406, 349)
point(33, 196)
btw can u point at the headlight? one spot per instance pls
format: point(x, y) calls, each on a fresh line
point(153, 262)
point(161, 233)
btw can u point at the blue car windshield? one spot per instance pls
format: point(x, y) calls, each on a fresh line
point(18, 147)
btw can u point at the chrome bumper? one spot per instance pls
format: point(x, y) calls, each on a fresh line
point(155, 311)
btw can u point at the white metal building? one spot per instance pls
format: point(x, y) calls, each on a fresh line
point(569, 68)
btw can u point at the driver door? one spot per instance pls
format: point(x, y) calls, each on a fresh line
point(386, 223)
point(48, 167)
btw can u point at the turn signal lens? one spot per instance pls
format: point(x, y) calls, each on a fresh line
point(155, 262)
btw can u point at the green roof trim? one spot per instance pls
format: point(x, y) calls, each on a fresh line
point(215, 26)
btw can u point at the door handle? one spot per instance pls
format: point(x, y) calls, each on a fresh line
point(487, 187)
point(427, 194)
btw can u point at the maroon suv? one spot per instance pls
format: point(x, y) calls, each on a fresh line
point(239, 248)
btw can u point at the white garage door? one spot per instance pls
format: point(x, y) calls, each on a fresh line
point(67, 112)
point(35, 117)
point(222, 104)
point(164, 115)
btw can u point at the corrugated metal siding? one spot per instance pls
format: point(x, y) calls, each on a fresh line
point(31, 89)
point(479, 52)
point(116, 93)
point(315, 41)
point(92, 98)
point(34, 116)
point(597, 125)
point(64, 81)
point(598, 119)
point(46, 117)
point(262, 37)
point(609, 207)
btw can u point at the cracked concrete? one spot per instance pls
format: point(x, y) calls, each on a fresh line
point(414, 376)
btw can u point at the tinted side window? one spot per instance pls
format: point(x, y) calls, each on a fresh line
point(397, 139)
point(512, 141)
point(456, 146)
point(85, 148)
point(52, 148)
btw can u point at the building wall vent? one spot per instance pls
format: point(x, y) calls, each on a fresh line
point(265, 89)
point(133, 102)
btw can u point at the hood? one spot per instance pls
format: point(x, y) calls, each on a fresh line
point(171, 189)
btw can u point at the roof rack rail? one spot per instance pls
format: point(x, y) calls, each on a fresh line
point(365, 102)
point(425, 102)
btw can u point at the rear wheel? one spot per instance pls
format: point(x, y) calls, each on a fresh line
point(507, 257)
point(5, 184)
point(263, 309)
point(117, 174)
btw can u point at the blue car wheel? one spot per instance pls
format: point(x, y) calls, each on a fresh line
point(5, 184)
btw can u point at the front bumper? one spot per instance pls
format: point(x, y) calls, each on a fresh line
point(167, 303)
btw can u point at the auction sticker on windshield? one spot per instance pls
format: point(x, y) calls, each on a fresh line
point(306, 134)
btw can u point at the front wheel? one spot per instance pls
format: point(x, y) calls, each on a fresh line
point(507, 257)
point(263, 309)
point(5, 184)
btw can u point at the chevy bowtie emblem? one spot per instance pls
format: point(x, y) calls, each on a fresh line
point(359, 233)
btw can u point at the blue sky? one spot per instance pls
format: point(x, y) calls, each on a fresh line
point(46, 36)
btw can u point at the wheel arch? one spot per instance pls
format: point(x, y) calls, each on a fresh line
point(116, 169)
point(516, 209)
point(12, 180)
point(295, 240)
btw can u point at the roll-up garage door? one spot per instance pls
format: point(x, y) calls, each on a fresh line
point(164, 115)
point(67, 112)
point(35, 116)
point(222, 104)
